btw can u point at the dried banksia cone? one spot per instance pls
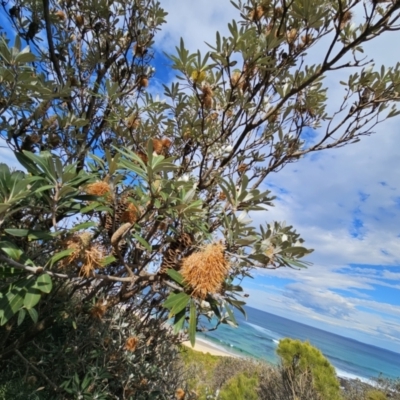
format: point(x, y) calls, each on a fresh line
point(291, 35)
point(180, 394)
point(257, 13)
point(61, 15)
point(79, 20)
point(142, 156)
point(205, 270)
point(53, 140)
point(143, 81)
point(98, 310)
point(86, 253)
point(346, 18)
point(139, 50)
point(166, 142)
point(157, 146)
point(132, 122)
point(306, 39)
point(130, 214)
point(242, 168)
point(131, 343)
point(207, 101)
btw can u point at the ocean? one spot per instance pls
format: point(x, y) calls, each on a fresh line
point(259, 335)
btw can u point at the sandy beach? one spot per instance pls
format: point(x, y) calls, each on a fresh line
point(205, 347)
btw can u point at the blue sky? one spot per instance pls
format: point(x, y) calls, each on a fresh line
point(344, 202)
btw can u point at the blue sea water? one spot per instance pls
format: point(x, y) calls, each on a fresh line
point(259, 335)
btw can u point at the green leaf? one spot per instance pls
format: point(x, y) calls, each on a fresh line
point(179, 321)
point(176, 276)
point(176, 302)
point(44, 283)
point(17, 232)
point(11, 250)
point(32, 296)
point(107, 260)
point(143, 242)
point(84, 225)
point(60, 255)
point(33, 314)
point(6, 272)
point(21, 316)
point(192, 323)
point(231, 315)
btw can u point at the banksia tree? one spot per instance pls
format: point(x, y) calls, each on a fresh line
point(152, 182)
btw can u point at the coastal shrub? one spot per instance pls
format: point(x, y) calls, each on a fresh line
point(302, 362)
point(375, 395)
point(241, 386)
point(96, 353)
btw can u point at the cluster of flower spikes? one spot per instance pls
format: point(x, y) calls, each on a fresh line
point(205, 271)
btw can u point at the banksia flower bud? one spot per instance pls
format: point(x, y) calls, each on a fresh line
point(205, 270)
point(198, 76)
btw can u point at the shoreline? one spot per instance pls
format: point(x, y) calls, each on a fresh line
point(204, 346)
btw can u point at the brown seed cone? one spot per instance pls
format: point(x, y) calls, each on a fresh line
point(257, 13)
point(139, 50)
point(73, 81)
point(79, 20)
point(142, 156)
point(242, 168)
point(157, 146)
point(61, 15)
point(143, 82)
point(172, 255)
point(130, 214)
point(132, 122)
point(166, 142)
point(205, 270)
point(207, 101)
